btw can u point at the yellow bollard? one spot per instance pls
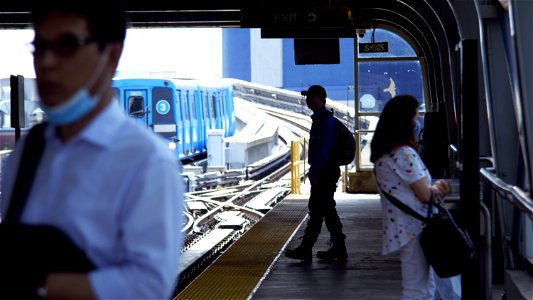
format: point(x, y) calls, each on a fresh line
point(295, 166)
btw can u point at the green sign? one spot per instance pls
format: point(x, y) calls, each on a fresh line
point(374, 47)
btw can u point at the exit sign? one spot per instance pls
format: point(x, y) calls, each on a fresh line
point(286, 18)
point(374, 47)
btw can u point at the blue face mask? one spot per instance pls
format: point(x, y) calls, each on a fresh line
point(79, 105)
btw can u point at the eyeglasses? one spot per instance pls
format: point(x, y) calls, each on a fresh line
point(64, 46)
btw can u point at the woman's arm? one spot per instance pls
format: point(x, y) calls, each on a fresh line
point(422, 188)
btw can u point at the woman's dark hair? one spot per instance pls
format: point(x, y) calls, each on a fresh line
point(106, 19)
point(395, 126)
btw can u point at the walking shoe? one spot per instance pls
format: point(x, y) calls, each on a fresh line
point(336, 251)
point(303, 253)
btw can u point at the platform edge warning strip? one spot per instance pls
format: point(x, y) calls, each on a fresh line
point(237, 272)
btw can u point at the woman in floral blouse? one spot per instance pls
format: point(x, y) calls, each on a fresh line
point(401, 173)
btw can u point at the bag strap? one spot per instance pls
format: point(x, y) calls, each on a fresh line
point(405, 208)
point(31, 155)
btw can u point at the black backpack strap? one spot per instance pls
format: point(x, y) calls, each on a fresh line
point(31, 155)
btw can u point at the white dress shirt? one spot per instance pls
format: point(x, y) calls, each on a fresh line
point(116, 191)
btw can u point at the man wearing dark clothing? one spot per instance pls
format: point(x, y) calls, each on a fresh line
point(323, 174)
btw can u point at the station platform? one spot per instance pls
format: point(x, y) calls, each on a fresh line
point(365, 275)
point(255, 267)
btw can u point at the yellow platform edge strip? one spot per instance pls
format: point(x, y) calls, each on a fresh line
point(237, 272)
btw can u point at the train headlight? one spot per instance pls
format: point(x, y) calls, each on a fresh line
point(172, 145)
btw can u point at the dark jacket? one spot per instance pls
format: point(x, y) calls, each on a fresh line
point(321, 141)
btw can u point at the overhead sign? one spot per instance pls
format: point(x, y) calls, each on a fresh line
point(374, 47)
point(298, 18)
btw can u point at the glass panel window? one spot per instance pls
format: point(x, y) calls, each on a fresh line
point(136, 106)
point(397, 70)
point(364, 141)
point(367, 125)
point(379, 81)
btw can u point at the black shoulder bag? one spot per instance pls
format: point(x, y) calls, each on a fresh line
point(29, 252)
point(447, 247)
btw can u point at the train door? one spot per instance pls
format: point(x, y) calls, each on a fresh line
point(195, 141)
point(223, 113)
point(179, 126)
point(185, 117)
point(208, 111)
point(215, 104)
point(200, 112)
point(135, 105)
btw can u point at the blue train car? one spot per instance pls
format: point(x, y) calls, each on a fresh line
point(180, 110)
point(190, 114)
point(205, 105)
point(151, 102)
point(217, 98)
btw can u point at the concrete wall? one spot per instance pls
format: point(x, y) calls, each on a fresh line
point(236, 53)
point(266, 59)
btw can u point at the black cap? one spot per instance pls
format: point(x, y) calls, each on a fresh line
point(315, 90)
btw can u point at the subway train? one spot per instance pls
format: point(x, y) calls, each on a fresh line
point(181, 110)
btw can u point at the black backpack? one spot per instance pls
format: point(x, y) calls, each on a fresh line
point(344, 144)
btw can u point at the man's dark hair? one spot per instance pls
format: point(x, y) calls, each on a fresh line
point(106, 19)
point(395, 126)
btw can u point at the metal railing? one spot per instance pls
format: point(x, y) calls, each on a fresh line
point(513, 195)
point(487, 261)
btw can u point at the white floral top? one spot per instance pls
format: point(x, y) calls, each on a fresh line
point(394, 173)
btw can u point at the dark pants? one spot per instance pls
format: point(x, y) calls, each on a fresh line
point(322, 208)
